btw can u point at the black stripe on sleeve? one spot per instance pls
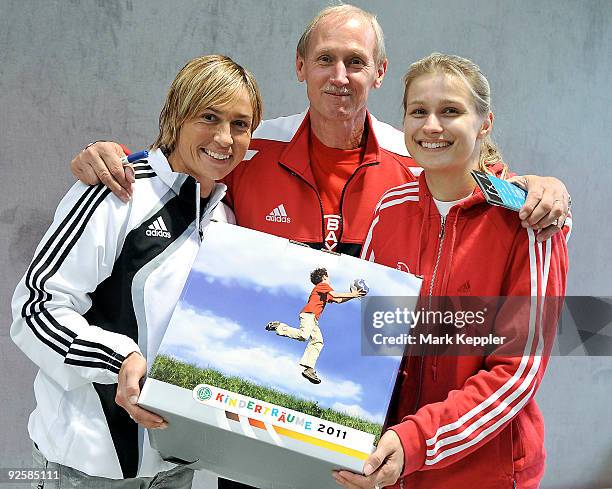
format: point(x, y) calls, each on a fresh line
point(142, 166)
point(93, 197)
point(99, 346)
point(44, 327)
point(52, 269)
point(87, 363)
point(50, 344)
point(57, 325)
point(30, 280)
point(112, 362)
point(144, 175)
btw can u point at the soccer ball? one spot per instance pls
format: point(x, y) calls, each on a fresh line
point(359, 284)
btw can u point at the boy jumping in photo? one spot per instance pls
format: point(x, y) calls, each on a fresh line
point(321, 294)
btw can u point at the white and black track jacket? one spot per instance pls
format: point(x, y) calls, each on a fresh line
point(103, 283)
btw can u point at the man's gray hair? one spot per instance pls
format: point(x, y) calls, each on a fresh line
point(346, 11)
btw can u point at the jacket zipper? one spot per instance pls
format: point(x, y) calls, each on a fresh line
point(198, 212)
point(291, 172)
point(431, 287)
point(435, 270)
point(342, 197)
point(434, 365)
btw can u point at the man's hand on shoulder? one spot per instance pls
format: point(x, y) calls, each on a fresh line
point(547, 204)
point(100, 162)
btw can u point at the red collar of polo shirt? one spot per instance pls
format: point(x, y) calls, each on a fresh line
point(296, 157)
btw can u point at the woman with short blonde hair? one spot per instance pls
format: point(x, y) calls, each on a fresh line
point(95, 302)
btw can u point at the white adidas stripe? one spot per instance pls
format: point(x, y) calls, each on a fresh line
point(368, 240)
point(391, 203)
point(408, 188)
point(527, 381)
point(484, 433)
point(547, 255)
point(403, 186)
point(568, 222)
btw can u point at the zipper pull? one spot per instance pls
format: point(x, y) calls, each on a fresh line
point(197, 209)
point(442, 227)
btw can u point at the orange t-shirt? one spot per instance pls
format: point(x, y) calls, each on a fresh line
point(332, 168)
point(317, 299)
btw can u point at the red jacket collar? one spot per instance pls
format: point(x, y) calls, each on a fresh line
point(477, 197)
point(372, 149)
point(296, 155)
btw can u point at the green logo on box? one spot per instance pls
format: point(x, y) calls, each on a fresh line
point(204, 394)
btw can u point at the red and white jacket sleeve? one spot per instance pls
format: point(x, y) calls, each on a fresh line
point(439, 434)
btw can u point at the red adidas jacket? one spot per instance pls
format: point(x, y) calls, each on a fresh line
point(471, 421)
point(274, 190)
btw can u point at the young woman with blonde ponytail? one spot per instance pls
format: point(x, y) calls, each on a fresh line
point(466, 419)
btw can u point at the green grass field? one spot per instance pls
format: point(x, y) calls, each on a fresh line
point(172, 371)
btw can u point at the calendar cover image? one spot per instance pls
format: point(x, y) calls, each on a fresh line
point(263, 355)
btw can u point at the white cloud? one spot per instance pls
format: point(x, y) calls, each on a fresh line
point(208, 340)
point(254, 259)
point(357, 410)
point(190, 326)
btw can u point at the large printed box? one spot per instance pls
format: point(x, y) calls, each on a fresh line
point(237, 400)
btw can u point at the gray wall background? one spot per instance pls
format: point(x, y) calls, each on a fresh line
point(72, 71)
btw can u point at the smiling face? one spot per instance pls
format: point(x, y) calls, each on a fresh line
point(442, 128)
point(339, 68)
point(210, 145)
